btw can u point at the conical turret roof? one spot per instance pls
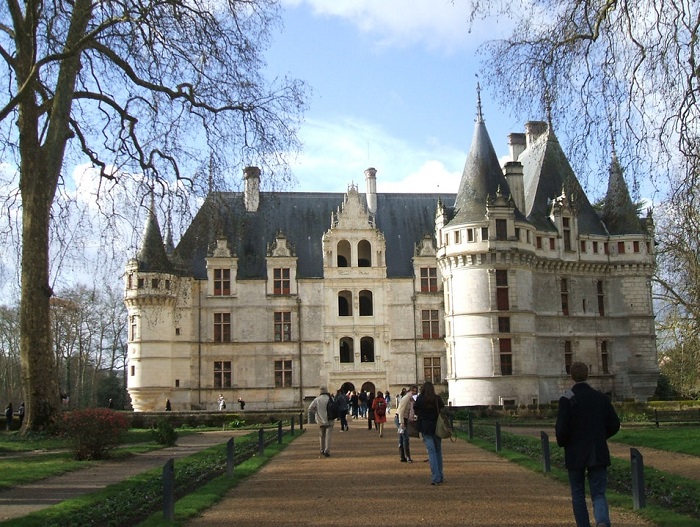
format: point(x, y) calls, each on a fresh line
point(619, 213)
point(547, 173)
point(482, 177)
point(151, 254)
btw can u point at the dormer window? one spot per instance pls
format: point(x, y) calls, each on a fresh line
point(501, 230)
point(222, 282)
point(566, 233)
point(280, 281)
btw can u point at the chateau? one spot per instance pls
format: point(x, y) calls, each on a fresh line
point(491, 293)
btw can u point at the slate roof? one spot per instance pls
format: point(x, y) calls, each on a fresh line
point(482, 176)
point(303, 217)
point(619, 213)
point(151, 254)
point(546, 172)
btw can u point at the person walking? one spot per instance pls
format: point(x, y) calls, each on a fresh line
point(221, 402)
point(370, 410)
point(318, 409)
point(379, 407)
point(387, 398)
point(20, 412)
point(363, 403)
point(343, 410)
point(403, 414)
point(427, 407)
point(355, 404)
point(9, 414)
point(585, 421)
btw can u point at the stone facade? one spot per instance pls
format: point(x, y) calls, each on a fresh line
point(490, 293)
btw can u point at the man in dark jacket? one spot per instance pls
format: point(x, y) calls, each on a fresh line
point(585, 421)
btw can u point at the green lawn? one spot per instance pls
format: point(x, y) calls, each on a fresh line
point(681, 439)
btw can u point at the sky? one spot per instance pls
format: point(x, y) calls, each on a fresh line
point(394, 87)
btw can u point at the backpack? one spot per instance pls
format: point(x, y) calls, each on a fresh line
point(381, 408)
point(332, 409)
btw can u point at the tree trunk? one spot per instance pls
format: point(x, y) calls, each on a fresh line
point(37, 357)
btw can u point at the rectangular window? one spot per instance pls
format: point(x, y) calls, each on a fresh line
point(167, 285)
point(504, 324)
point(620, 247)
point(140, 283)
point(155, 283)
point(568, 356)
point(222, 282)
point(517, 234)
point(431, 369)
point(430, 323)
point(428, 279)
point(470, 235)
point(604, 363)
point(552, 245)
point(283, 373)
point(506, 356)
point(565, 297)
point(539, 242)
point(484, 234)
point(501, 230)
point(133, 327)
point(280, 281)
point(283, 326)
point(458, 237)
point(635, 246)
point(222, 374)
point(447, 238)
point(130, 281)
point(601, 298)
point(502, 302)
point(566, 224)
point(222, 327)
point(583, 246)
point(132, 370)
point(606, 248)
point(595, 247)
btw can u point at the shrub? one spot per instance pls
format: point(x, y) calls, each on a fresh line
point(93, 432)
point(163, 433)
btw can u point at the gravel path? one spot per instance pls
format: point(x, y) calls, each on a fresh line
point(364, 483)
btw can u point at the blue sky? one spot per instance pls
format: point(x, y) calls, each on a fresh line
point(393, 87)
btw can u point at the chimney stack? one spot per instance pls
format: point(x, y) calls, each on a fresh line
point(516, 144)
point(251, 192)
point(371, 182)
point(533, 130)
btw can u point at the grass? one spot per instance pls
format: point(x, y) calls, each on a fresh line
point(671, 501)
point(132, 500)
point(50, 456)
point(681, 439)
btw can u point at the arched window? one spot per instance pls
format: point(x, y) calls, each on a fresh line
point(366, 349)
point(345, 304)
point(344, 253)
point(366, 309)
point(346, 350)
point(364, 254)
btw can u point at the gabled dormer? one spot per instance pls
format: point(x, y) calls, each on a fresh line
point(222, 269)
point(564, 215)
point(281, 262)
point(353, 242)
point(426, 273)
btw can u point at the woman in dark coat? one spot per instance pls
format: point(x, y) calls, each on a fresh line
point(426, 408)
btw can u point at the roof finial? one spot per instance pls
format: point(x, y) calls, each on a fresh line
point(479, 114)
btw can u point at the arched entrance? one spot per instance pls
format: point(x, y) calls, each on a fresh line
point(347, 387)
point(368, 387)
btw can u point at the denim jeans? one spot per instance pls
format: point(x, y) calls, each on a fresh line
point(597, 481)
point(433, 444)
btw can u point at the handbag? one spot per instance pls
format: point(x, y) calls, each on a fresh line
point(442, 427)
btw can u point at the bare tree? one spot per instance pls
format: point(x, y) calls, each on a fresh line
point(607, 72)
point(677, 291)
point(10, 379)
point(169, 89)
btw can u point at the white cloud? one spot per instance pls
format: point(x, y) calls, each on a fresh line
point(439, 24)
point(337, 153)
